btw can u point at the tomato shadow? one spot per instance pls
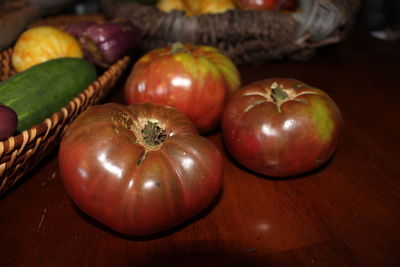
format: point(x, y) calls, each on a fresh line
point(214, 131)
point(299, 176)
point(292, 177)
point(159, 235)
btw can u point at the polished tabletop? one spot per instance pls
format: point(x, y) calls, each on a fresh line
point(346, 213)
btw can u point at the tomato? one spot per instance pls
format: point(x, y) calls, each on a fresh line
point(258, 4)
point(138, 169)
point(194, 79)
point(281, 127)
point(267, 4)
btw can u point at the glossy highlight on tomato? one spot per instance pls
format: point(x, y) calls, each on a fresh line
point(196, 80)
point(281, 127)
point(139, 169)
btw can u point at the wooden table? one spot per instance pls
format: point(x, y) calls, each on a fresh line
point(345, 214)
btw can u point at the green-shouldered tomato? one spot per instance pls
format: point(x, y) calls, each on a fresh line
point(194, 79)
point(281, 127)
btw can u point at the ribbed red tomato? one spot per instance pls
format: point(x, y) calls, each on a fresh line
point(281, 127)
point(138, 169)
point(194, 79)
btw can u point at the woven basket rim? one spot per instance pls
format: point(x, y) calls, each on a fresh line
point(21, 152)
point(181, 12)
point(236, 33)
point(42, 129)
point(146, 9)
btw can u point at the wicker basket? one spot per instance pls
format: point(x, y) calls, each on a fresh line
point(19, 154)
point(244, 36)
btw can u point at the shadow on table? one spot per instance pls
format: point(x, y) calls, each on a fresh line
point(162, 234)
point(202, 253)
point(163, 249)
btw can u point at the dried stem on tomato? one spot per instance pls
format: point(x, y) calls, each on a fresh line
point(178, 47)
point(278, 95)
point(153, 135)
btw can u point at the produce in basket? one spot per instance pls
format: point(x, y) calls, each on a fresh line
point(139, 169)
point(171, 5)
point(245, 36)
point(21, 152)
point(194, 79)
point(43, 43)
point(214, 7)
point(281, 127)
point(78, 28)
point(38, 92)
point(267, 4)
point(8, 122)
point(106, 42)
point(196, 7)
point(143, 2)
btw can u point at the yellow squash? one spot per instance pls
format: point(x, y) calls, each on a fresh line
point(214, 7)
point(42, 43)
point(196, 7)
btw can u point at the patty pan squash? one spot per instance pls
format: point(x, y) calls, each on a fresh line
point(42, 43)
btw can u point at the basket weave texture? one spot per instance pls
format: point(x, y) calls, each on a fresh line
point(246, 36)
point(19, 154)
point(15, 15)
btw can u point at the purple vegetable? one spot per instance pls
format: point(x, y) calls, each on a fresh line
point(78, 28)
point(105, 43)
point(8, 122)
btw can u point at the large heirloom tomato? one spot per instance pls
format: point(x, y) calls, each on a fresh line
point(138, 169)
point(194, 79)
point(281, 127)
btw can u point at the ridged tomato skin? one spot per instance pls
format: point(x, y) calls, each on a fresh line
point(281, 138)
point(136, 188)
point(196, 80)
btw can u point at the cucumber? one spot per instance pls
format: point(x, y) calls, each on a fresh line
point(43, 89)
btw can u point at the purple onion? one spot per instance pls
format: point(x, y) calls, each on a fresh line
point(8, 122)
point(105, 43)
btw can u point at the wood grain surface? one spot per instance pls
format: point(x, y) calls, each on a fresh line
point(346, 213)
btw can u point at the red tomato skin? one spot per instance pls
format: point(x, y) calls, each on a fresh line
point(268, 4)
point(98, 161)
point(257, 4)
point(300, 137)
point(195, 80)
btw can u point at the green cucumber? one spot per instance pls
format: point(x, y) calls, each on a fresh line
point(36, 93)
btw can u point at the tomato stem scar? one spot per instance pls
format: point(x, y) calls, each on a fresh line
point(153, 135)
